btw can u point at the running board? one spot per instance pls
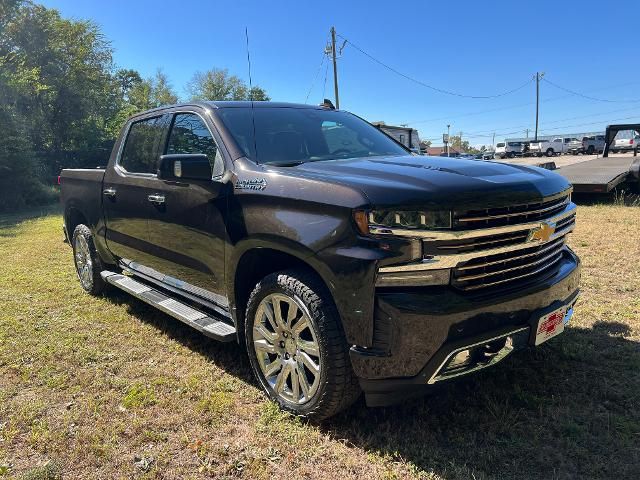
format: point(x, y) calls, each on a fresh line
point(211, 327)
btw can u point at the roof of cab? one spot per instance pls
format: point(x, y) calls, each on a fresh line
point(226, 104)
point(261, 104)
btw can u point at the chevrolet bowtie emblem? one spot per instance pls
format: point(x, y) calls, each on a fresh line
point(542, 233)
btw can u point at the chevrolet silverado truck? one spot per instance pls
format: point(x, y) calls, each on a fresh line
point(341, 262)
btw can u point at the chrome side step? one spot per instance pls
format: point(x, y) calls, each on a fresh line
point(209, 326)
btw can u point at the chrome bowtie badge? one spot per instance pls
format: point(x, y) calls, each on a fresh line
point(542, 233)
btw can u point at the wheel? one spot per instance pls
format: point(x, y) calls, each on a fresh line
point(511, 155)
point(590, 150)
point(539, 154)
point(296, 345)
point(549, 152)
point(87, 261)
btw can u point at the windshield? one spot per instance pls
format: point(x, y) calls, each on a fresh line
point(292, 135)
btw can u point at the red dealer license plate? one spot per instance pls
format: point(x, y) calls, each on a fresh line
point(550, 325)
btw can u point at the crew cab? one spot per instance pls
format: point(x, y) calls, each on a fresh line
point(508, 150)
point(588, 145)
point(551, 147)
point(340, 262)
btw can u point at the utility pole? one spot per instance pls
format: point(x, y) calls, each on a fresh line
point(448, 138)
point(527, 131)
point(538, 77)
point(335, 66)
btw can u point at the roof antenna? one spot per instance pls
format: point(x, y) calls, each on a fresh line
point(253, 116)
point(246, 35)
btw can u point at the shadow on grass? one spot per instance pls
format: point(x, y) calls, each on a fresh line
point(12, 219)
point(228, 356)
point(566, 410)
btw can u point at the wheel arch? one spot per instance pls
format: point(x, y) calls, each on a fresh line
point(254, 263)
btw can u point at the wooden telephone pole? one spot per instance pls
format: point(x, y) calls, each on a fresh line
point(335, 66)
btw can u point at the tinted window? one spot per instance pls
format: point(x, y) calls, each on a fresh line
point(140, 153)
point(499, 145)
point(305, 135)
point(189, 134)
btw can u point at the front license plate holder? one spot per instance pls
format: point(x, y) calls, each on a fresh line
point(551, 324)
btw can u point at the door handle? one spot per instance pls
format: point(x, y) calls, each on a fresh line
point(109, 192)
point(156, 198)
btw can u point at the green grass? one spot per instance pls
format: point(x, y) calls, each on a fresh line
point(110, 388)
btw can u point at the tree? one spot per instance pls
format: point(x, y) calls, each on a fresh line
point(152, 92)
point(461, 146)
point(217, 84)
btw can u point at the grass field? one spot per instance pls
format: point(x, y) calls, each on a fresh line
point(110, 388)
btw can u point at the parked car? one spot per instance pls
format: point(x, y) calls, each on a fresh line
point(551, 147)
point(487, 155)
point(338, 260)
point(625, 144)
point(593, 144)
point(508, 149)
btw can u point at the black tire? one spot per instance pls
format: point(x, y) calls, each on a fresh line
point(549, 152)
point(590, 150)
point(338, 387)
point(90, 281)
point(511, 155)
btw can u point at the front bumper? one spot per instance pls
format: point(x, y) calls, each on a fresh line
point(418, 329)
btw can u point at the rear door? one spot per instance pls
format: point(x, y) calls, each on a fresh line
point(187, 229)
point(127, 186)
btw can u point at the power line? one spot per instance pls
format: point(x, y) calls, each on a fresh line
point(431, 87)
point(542, 100)
point(315, 77)
point(587, 96)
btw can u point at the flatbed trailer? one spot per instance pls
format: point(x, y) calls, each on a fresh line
point(600, 175)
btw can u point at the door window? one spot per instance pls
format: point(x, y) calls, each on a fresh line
point(140, 153)
point(189, 134)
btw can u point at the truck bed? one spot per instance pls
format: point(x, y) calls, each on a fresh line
point(81, 188)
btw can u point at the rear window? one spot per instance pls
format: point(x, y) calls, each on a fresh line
point(140, 153)
point(305, 135)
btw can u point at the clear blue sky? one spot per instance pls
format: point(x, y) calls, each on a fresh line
point(470, 47)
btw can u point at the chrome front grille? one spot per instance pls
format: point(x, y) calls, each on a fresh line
point(512, 215)
point(521, 264)
point(496, 256)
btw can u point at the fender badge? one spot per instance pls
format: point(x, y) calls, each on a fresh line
point(251, 184)
point(542, 233)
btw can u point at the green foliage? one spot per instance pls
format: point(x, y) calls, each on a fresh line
point(63, 101)
point(217, 84)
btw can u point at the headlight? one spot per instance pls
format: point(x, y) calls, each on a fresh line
point(410, 219)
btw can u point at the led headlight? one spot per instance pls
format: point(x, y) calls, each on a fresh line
point(418, 219)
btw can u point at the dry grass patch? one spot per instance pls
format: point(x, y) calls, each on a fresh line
point(110, 388)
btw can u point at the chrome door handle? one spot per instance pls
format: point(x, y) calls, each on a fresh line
point(109, 192)
point(156, 198)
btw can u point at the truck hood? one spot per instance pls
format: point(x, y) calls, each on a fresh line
point(437, 182)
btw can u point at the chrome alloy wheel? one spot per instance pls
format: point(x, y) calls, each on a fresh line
point(286, 346)
point(84, 266)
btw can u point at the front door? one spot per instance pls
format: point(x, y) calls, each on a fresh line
point(127, 186)
point(187, 226)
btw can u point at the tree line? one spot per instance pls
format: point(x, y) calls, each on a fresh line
point(63, 100)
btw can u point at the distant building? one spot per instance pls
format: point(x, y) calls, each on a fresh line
point(407, 136)
point(442, 151)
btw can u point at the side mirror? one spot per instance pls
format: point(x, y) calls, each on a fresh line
point(184, 166)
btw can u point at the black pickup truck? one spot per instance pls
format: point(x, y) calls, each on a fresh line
point(341, 261)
